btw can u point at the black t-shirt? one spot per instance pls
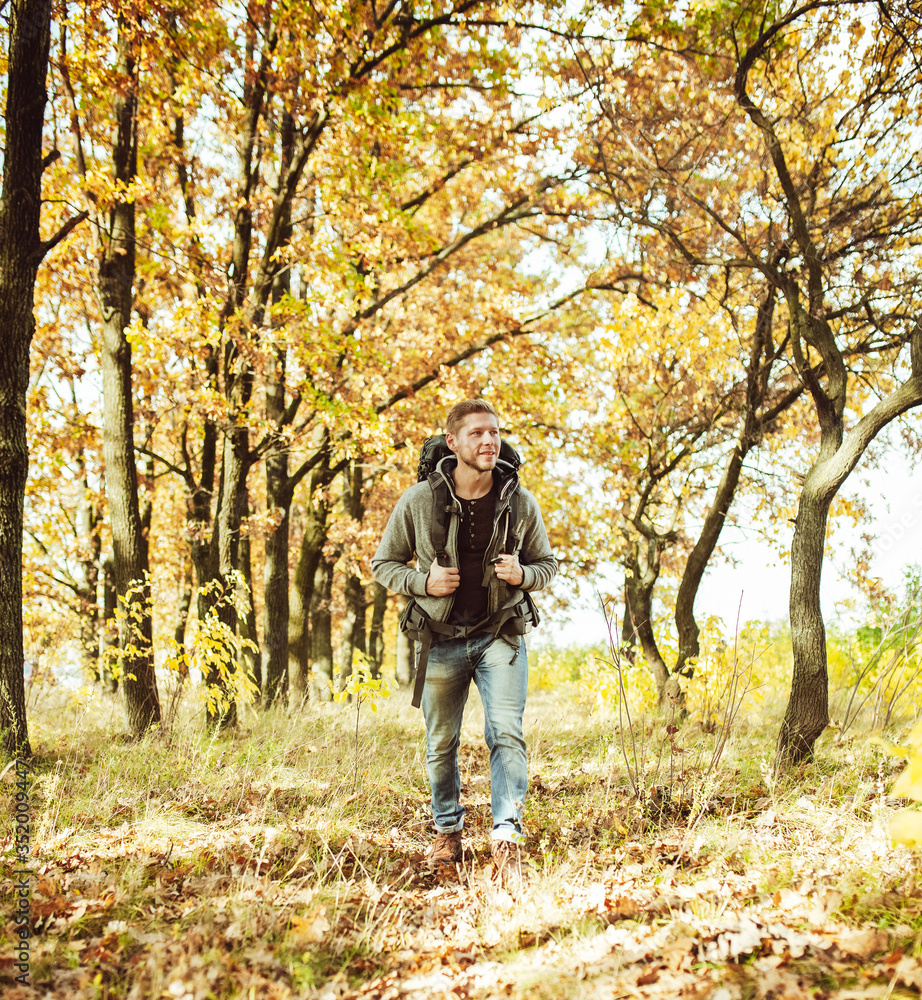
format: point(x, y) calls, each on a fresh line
point(474, 534)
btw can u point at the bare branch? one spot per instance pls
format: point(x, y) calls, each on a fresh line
point(62, 233)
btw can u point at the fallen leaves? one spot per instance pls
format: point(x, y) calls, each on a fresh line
point(304, 890)
point(309, 929)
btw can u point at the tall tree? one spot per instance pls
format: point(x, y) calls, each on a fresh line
point(131, 564)
point(279, 485)
point(316, 511)
point(840, 216)
point(732, 146)
point(21, 252)
point(354, 636)
point(660, 406)
point(115, 227)
point(325, 324)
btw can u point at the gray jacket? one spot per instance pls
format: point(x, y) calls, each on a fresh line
point(409, 531)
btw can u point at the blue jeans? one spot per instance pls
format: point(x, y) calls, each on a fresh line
point(501, 675)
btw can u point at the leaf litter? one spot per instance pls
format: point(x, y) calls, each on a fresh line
point(280, 889)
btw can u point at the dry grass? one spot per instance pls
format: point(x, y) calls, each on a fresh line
point(280, 861)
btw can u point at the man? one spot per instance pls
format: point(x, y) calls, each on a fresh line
point(473, 603)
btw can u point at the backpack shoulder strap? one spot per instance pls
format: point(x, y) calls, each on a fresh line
point(441, 517)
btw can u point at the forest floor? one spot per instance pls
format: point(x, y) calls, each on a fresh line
point(286, 860)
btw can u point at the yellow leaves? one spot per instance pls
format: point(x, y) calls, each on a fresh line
point(177, 660)
point(853, 508)
point(312, 928)
point(362, 685)
point(906, 825)
point(214, 648)
point(133, 615)
point(611, 683)
point(906, 828)
point(909, 783)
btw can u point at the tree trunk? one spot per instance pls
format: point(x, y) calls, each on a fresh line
point(248, 661)
point(213, 598)
point(376, 632)
point(276, 606)
point(638, 586)
point(299, 621)
point(279, 491)
point(700, 556)
point(762, 356)
point(236, 329)
point(353, 630)
point(210, 591)
point(316, 513)
point(21, 252)
point(129, 544)
point(204, 490)
point(406, 656)
point(204, 556)
point(88, 584)
point(107, 600)
point(322, 630)
point(807, 713)
point(200, 525)
point(182, 608)
point(90, 623)
point(276, 609)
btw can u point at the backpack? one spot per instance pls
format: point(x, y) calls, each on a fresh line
point(436, 448)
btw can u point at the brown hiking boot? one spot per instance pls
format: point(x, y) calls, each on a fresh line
point(447, 848)
point(508, 867)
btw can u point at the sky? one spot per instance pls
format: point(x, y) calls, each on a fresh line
point(755, 586)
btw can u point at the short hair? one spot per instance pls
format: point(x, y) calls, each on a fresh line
point(463, 409)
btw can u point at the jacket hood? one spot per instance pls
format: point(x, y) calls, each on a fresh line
point(505, 477)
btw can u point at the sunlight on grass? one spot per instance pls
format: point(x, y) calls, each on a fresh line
point(288, 856)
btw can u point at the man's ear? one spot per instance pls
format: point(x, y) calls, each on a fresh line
point(450, 441)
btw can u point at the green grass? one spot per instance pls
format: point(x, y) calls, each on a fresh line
point(279, 858)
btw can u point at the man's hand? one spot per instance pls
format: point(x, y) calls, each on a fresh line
point(442, 580)
point(509, 568)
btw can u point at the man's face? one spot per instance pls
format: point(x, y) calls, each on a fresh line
point(477, 441)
